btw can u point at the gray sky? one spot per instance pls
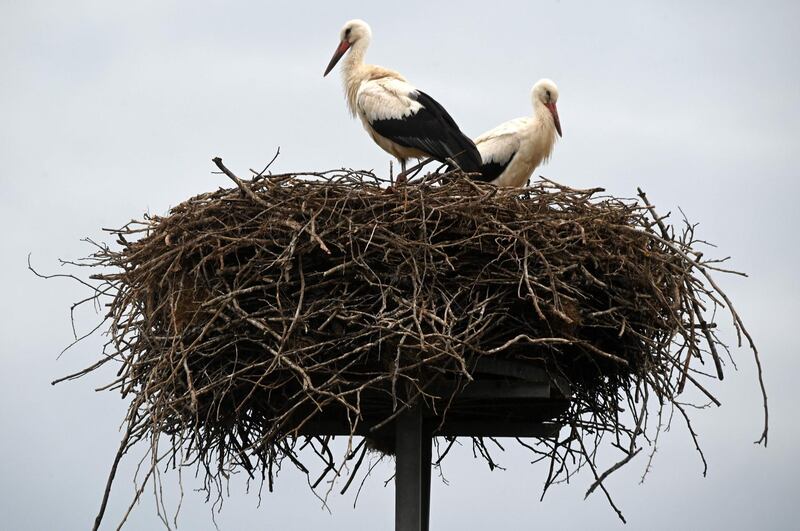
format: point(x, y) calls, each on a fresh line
point(111, 109)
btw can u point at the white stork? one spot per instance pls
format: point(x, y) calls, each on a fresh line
point(404, 121)
point(512, 150)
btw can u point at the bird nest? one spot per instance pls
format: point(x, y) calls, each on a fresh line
point(245, 313)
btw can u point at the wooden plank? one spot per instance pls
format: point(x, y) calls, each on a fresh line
point(319, 427)
point(510, 368)
point(498, 428)
point(498, 390)
point(494, 427)
point(523, 371)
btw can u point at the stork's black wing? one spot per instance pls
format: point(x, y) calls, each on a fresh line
point(432, 130)
point(492, 170)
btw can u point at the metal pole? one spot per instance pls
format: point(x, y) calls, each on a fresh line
point(412, 473)
point(427, 453)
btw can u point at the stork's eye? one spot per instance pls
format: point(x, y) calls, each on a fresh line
point(347, 32)
point(548, 95)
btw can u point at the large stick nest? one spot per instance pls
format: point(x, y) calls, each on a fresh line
point(245, 312)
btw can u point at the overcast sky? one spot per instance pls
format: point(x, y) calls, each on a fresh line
point(112, 109)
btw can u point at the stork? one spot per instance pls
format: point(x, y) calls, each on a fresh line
point(404, 121)
point(512, 150)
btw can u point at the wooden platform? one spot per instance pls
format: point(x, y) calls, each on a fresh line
point(505, 399)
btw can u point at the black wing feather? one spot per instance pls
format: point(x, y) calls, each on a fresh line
point(432, 130)
point(492, 170)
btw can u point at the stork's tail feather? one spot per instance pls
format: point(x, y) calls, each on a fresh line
point(466, 155)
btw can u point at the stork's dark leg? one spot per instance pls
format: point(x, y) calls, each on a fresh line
point(401, 177)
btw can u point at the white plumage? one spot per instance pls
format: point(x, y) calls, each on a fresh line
point(386, 98)
point(401, 119)
point(512, 150)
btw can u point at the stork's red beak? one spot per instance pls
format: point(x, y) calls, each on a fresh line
point(554, 112)
point(343, 46)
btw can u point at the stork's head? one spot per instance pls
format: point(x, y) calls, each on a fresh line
point(545, 92)
point(353, 31)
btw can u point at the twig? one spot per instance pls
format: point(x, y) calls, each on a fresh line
point(242, 186)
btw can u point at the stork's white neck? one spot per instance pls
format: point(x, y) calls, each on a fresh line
point(355, 55)
point(353, 72)
point(544, 117)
